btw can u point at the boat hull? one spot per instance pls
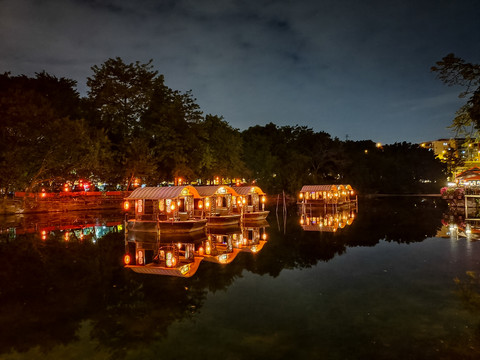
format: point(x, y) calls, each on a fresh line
point(167, 227)
point(255, 216)
point(223, 220)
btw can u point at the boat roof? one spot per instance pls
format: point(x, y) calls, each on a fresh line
point(158, 193)
point(308, 188)
point(209, 190)
point(245, 190)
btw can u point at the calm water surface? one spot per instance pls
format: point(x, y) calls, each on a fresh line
point(382, 287)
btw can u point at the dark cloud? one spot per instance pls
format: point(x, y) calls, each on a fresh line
point(360, 68)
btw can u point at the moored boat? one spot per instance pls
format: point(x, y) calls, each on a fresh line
point(251, 203)
point(217, 202)
point(164, 210)
point(327, 195)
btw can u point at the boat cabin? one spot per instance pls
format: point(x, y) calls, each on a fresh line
point(164, 203)
point(326, 195)
point(251, 198)
point(217, 200)
point(319, 193)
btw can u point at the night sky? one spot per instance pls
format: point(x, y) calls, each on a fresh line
point(356, 69)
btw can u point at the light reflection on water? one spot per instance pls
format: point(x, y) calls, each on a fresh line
point(380, 288)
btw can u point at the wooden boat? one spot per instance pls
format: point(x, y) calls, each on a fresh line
point(327, 195)
point(164, 210)
point(217, 202)
point(250, 203)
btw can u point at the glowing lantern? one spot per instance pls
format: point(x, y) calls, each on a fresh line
point(126, 205)
point(200, 250)
point(170, 259)
point(44, 235)
point(200, 204)
point(140, 258)
point(264, 236)
point(127, 259)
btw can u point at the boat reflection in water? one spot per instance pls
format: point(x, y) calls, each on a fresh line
point(180, 254)
point(326, 220)
point(84, 226)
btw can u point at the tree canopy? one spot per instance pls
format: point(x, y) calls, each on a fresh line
point(453, 70)
point(131, 125)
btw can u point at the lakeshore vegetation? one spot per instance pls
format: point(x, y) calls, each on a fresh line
point(131, 125)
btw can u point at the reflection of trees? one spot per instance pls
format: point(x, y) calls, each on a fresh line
point(49, 288)
point(45, 291)
point(399, 219)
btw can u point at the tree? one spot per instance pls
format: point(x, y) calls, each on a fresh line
point(171, 126)
point(37, 146)
point(453, 70)
point(118, 97)
point(222, 149)
point(120, 94)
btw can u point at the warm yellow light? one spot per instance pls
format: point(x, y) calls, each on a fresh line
point(172, 207)
point(200, 204)
point(264, 198)
point(264, 236)
point(301, 195)
point(126, 205)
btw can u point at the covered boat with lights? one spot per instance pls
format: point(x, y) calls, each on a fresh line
point(164, 210)
point(217, 203)
point(327, 195)
point(250, 203)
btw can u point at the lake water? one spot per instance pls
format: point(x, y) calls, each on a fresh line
point(380, 287)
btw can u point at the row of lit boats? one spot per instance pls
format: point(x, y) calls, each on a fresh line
point(188, 209)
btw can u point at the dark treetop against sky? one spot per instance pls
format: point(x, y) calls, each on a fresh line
point(347, 67)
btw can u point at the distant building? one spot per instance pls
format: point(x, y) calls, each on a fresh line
point(460, 154)
point(446, 148)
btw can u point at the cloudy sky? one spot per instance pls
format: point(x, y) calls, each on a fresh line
point(351, 68)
